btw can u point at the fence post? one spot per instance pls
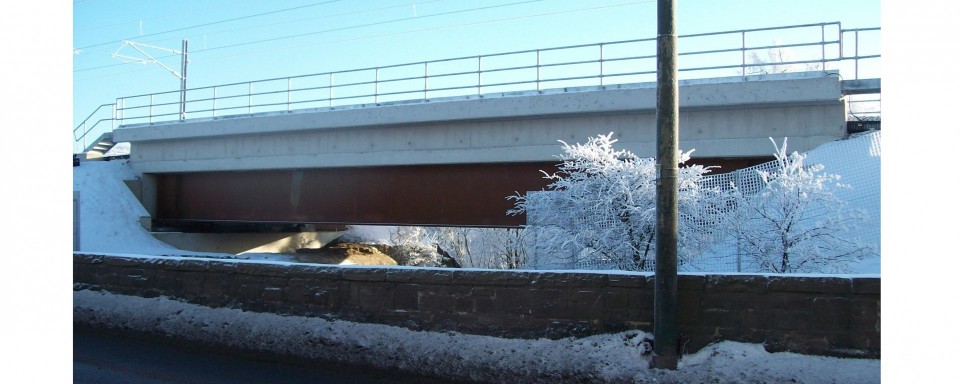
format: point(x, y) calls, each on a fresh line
point(376, 86)
point(249, 98)
point(739, 254)
point(330, 89)
point(288, 94)
point(425, 80)
point(214, 111)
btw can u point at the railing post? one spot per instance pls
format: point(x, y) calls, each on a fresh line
point(479, 70)
point(83, 137)
point(214, 111)
point(743, 53)
point(288, 94)
point(330, 89)
point(840, 47)
point(601, 64)
point(150, 111)
point(538, 70)
point(376, 86)
point(856, 54)
point(249, 98)
point(425, 80)
point(823, 47)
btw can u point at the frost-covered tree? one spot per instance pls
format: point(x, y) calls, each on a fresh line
point(777, 60)
point(600, 209)
point(410, 249)
point(496, 248)
point(794, 223)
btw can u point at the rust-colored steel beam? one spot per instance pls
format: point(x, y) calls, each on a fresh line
point(442, 195)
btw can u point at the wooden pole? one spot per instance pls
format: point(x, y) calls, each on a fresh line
point(665, 332)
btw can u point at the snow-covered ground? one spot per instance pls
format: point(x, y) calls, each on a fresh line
point(109, 224)
point(609, 358)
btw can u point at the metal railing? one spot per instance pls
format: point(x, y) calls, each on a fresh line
point(718, 54)
point(88, 127)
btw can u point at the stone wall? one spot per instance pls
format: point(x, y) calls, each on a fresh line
point(834, 316)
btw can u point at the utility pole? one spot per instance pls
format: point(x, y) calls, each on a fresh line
point(182, 75)
point(665, 334)
point(183, 82)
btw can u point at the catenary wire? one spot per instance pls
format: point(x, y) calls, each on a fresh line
point(325, 31)
point(366, 37)
point(215, 22)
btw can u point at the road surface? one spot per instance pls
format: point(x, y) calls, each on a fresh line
point(104, 358)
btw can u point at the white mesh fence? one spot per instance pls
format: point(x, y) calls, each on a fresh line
point(856, 160)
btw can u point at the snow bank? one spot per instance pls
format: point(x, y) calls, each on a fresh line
point(110, 213)
point(618, 358)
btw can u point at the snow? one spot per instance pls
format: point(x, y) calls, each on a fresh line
point(619, 357)
point(110, 215)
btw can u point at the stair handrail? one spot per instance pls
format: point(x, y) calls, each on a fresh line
point(83, 124)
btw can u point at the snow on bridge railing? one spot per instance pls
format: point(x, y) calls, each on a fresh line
point(794, 48)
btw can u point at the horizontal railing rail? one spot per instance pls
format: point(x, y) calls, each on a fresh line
point(821, 46)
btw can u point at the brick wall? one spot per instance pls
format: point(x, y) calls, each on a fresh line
point(835, 316)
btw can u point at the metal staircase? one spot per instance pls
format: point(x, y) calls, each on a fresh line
point(100, 146)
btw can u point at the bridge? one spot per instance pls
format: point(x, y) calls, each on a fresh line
point(444, 142)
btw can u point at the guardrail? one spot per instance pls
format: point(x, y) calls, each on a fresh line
point(719, 54)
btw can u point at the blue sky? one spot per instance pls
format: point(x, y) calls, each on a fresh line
point(243, 40)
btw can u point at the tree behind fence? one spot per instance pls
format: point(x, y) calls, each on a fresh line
point(851, 215)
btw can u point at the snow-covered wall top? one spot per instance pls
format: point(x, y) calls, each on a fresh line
point(813, 315)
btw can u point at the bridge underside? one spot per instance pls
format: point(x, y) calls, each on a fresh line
point(426, 195)
point(461, 194)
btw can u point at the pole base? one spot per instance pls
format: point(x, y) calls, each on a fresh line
point(664, 362)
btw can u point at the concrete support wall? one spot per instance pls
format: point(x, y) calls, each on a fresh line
point(837, 316)
point(727, 117)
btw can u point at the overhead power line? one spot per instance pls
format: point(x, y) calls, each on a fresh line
point(211, 23)
point(181, 12)
point(287, 22)
point(368, 25)
point(425, 30)
point(331, 30)
point(374, 36)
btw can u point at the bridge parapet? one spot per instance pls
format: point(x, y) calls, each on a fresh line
point(723, 117)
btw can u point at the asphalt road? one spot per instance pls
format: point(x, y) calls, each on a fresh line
point(104, 358)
